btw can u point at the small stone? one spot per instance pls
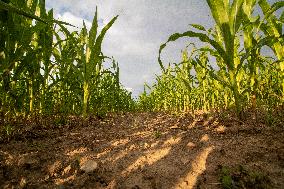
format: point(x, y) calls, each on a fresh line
point(46, 177)
point(205, 138)
point(190, 145)
point(23, 183)
point(146, 145)
point(88, 166)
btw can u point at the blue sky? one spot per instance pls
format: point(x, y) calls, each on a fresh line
point(142, 26)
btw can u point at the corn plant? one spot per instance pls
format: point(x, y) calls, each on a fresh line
point(224, 44)
point(273, 28)
point(46, 69)
point(91, 56)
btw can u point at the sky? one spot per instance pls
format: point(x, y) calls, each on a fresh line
point(142, 26)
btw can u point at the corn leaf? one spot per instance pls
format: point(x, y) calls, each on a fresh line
point(11, 8)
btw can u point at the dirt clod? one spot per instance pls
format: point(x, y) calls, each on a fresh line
point(88, 166)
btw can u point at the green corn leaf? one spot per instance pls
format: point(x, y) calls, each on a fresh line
point(93, 30)
point(282, 17)
point(42, 8)
point(202, 37)
point(212, 73)
point(100, 38)
point(61, 23)
point(32, 4)
point(273, 27)
point(219, 16)
point(248, 6)
point(266, 41)
point(276, 6)
point(11, 8)
point(235, 15)
point(84, 34)
point(226, 21)
point(207, 49)
point(64, 30)
point(199, 27)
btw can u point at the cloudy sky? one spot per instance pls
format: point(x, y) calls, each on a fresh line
point(142, 26)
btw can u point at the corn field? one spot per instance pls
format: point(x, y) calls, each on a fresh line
point(46, 69)
point(244, 76)
point(212, 119)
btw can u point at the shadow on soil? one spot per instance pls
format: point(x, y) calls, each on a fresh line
point(144, 150)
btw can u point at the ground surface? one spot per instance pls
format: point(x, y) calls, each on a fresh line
point(143, 150)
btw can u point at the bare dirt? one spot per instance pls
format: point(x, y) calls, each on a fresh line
point(144, 150)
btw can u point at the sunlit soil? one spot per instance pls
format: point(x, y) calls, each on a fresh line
point(139, 150)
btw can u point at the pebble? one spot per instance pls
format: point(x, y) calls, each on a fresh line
point(88, 166)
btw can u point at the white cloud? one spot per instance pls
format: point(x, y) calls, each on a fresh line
point(74, 20)
point(142, 26)
point(129, 89)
